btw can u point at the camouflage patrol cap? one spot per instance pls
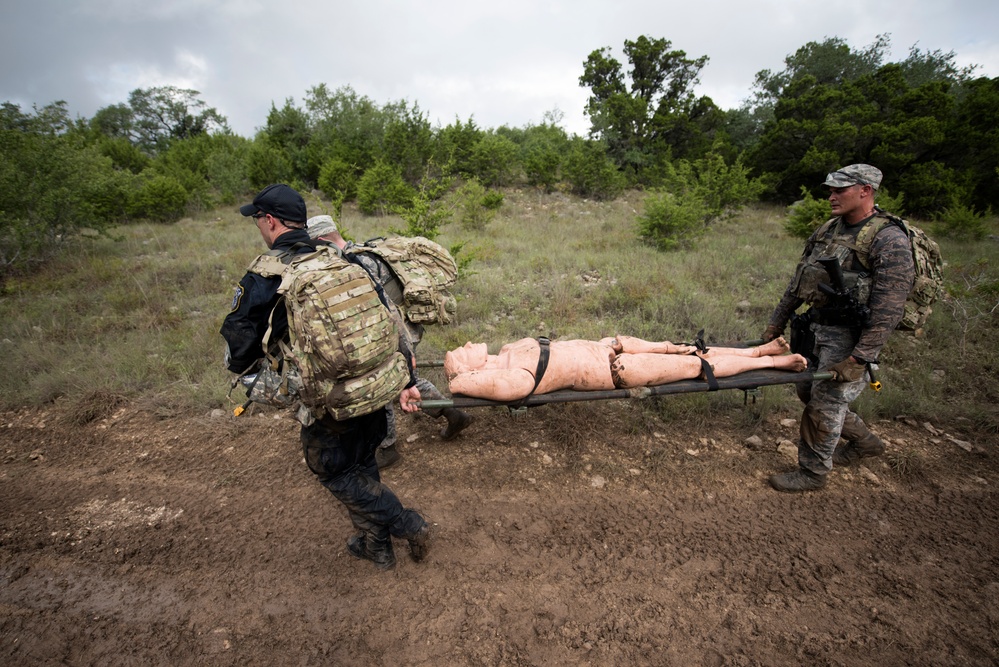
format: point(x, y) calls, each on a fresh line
point(321, 225)
point(854, 174)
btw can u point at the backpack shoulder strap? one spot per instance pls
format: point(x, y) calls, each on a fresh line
point(826, 228)
point(865, 238)
point(273, 263)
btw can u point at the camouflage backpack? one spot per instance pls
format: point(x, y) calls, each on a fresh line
point(341, 353)
point(426, 271)
point(928, 285)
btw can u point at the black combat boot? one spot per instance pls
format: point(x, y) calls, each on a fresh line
point(799, 480)
point(419, 544)
point(457, 421)
point(387, 456)
point(360, 547)
point(852, 451)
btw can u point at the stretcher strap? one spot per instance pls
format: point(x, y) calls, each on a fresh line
point(709, 374)
point(544, 354)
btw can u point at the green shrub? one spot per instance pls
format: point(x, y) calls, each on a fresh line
point(541, 160)
point(806, 215)
point(892, 204)
point(473, 213)
point(931, 187)
point(494, 160)
point(266, 165)
point(336, 176)
point(226, 169)
point(426, 211)
point(124, 154)
point(159, 198)
point(492, 199)
point(382, 189)
point(962, 223)
point(671, 221)
point(726, 188)
point(591, 172)
point(52, 190)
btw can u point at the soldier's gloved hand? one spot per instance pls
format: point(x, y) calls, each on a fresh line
point(848, 370)
point(771, 333)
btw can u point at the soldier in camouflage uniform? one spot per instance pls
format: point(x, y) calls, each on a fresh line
point(844, 345)
point(322, 228)
point(341, 453)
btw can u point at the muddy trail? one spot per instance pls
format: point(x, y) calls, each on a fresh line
point(572, 535)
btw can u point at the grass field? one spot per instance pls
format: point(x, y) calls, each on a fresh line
point(136, 318)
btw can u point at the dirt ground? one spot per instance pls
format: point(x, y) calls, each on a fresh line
point(580, 534)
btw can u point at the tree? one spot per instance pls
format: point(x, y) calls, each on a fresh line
point(543, 150)
point(455, 145)
point(163, 114)
point(830, 62)
point(881, 118)
point(286, 132)
point(973, 140)
point(344, 125)
point(494, 159)
point(408, 140)
point(53, 187)
point(652, 111)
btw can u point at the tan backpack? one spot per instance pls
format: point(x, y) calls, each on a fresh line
point(342, 346)
point(426, 270)
point(928, 285)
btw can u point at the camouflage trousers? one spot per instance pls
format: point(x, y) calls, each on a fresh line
point(427, 391)
point(828, 402)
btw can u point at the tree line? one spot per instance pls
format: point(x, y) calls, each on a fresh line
point(930, 125)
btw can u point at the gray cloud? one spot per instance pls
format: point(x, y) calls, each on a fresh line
point(501, 63)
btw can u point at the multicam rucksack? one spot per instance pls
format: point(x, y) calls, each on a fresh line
point(426, 271)
point(928, 285)
point(342, 344)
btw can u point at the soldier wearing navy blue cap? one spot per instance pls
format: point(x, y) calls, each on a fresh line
point(345, 450)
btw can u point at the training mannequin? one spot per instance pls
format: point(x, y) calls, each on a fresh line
point(610, 363)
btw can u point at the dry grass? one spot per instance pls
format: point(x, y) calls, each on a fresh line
point(139, 317)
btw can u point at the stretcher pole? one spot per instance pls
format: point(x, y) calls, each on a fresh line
point(748, 380)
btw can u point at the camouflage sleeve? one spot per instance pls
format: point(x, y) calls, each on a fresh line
point(892, 275)
point(378, 268)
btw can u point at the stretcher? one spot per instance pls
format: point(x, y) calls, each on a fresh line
point(748, 382)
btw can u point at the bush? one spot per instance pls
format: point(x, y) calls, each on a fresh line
point(541, 165)
point(381, 189)
point(494, 160)
point(931, 187)
point(226, 168)
point(52, 190)
point(891, 204)
point(336, 176)
point(725, 188)
point(473, 212)
point(266, 164)
point(591, 172)
point(492, 199)
point(671, 221)
point(806, 215)
point(159, 198)
point(962, 223)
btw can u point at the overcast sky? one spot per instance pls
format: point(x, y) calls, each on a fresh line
point(502, 63)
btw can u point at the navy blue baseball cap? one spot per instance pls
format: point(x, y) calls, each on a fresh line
point(279, 200)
